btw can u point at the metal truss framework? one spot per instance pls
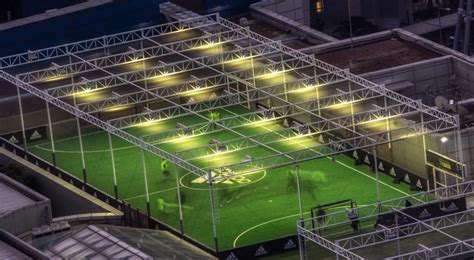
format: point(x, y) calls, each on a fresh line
point(343, 247)
point(90, 73)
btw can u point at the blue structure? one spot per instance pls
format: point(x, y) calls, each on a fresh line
point(117, 16)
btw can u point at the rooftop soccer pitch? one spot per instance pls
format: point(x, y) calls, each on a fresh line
point(250, 208)
point(252, 132)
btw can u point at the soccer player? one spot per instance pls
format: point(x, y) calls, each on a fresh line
point(291, 181)
point(165, 169)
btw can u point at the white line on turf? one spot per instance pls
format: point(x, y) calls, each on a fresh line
point(347, 166)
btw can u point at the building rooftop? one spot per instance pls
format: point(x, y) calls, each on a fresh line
point(9, 252)
point(377, 55)
point(12, 199)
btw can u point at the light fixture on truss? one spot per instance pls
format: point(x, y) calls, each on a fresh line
point(381, 111)
point(184, 130)
point(150, 114)
point(268, 114)
point(87, 84)
point(135, 54)
point(302, 129)
point(165, 68)
point(217, 146)
point(233, 98)
point(121, 100)
point(247, 158)
point(32, 55)
point(57, 69)
point(198, 83)
point(275, 67)
point(244, 52)
point(212, 38)
point(309, 81)
point(344, 96)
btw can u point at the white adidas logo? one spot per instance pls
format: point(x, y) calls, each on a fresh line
point(290, 244)
point(367, 160)
point(407, 178)
point(452, 207)
point(381, 166)
point(232, 256)
point(35, 135)
point(424, 214)
point(418, 184)
point(392, 172)
point(13, 139)
point(261, 251)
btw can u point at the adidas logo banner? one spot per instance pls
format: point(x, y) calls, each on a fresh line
point(424, 214)
point(232, 256)
point(261, 251)
point(32, 135)
point(35, 135)
point(290, 244)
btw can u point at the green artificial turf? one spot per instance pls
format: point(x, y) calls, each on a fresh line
point(249, 209)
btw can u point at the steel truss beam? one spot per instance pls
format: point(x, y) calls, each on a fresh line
point(179, 105)
point(340, 251)
point(99, 123)
point(408, 230)
point(150, 72)
point(107, 41)
point(339, 218)
point(343, 73)
point(291, 132)
point(447, 251)
point(130, 56)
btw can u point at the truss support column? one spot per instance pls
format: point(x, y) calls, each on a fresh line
point(460, 150)
point(377, 177)
point(213, 210)
point(302, 242)
point(282, 64)
point(81, 146)
point(112, 157)
point(180, 207)
point(51, 136)
point(252, 63)
point(351, 104)
point(147, 195)
point(467, 29)
point(298, 187)
point(315, 70)
point(22, 119)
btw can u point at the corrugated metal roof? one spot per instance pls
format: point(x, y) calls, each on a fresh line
point(12, 199)
point(93, 242)
point(8, 252)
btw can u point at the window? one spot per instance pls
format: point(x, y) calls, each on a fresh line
point(319, 6)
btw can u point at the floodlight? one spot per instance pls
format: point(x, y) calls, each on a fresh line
point(166, 68)
point(247, 158)
point(245, 53)
point(135, 53)
point(121, 100)
point(32, 55)
point(302, 129)
point(233, 98)
point(268, 114)
point(444, 139)
point(381, 111)
point(185, 130)
point(198, 83)
point(309, 81)
point(344, 96)
point(275, 67)
point(57, 69)
point(88, 84)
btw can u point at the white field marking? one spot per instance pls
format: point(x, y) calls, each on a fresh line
point(347, 166)
point(274, 220)
point(156, 192)
point(222, 188)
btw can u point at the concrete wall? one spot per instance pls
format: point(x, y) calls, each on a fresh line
point(24, 219)
point(61, 197)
